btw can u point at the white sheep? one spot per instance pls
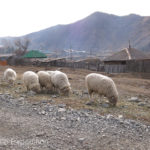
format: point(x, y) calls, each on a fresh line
point(102, 85)
point(10, 75)
point(50, 72)
point(60, 82)
point(45, 80)
point(31, 81)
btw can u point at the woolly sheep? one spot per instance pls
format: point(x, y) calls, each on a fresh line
point(31, 81)
point(102, 85)
point(50, 72)
point(10, 75)
point(45, 80)
point(61, 82)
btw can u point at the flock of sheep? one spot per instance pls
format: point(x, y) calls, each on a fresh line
point(58, 81)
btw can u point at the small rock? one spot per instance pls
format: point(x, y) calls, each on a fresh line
point(50, 101)
point(44, 101)
point(90, 103)
point(75, 92)
point(120, 116)
point(63, 118)
point(7, 93)
point(19, 88)
point(148, 106)
point(54, 96)
point(134, 99)
point(85, 92)
point(124, 106)
point(61, 105)
point(31, 93)
point(17, 91)
point(42, 141)
point(21, 99)
point(78, 119)
point(141, 104)
point(42, 112)
point(109, 116)
point(23, 96)
point(34, 108)
point(105, 105)
point(61, 109)
point(41, 134)
point(81, 139)
point(50, 109)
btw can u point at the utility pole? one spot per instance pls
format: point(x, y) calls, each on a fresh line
point(70, 50)
point(90, 52)
point(56, 53)
point(129, 45)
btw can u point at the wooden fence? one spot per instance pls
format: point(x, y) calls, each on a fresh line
point(142, 66)
point(130, 66)
point(138, 66)
point(115, 68)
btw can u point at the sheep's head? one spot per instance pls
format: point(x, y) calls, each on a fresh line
point(113, 100)
point(36, 88)
point(66, 91)
point(11, 81)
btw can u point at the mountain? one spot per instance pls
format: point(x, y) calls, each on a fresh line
point(97, 32)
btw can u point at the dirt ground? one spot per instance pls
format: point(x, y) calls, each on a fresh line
point(128, 85)
point(50, 121)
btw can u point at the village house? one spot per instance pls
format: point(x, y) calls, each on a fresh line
point(120, 62)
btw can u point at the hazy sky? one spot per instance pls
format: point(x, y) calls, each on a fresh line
point(19, 17)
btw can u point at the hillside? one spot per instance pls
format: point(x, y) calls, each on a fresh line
point(97, 32)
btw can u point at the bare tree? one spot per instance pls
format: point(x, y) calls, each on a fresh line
point(21, 46)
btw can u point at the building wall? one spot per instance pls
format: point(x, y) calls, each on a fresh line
point(3, 62)
point(129, 66)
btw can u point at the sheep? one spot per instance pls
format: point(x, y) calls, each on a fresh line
point(31, 81)
point(50, 72)
point(45, 80)
point(61, 82)
point(10, 75)
point(102, 85)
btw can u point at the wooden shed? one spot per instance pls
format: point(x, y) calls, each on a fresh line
point(117, 63)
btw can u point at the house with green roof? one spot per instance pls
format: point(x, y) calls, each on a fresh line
point(34, 54)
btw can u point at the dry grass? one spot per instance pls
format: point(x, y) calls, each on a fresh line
point(128, 85)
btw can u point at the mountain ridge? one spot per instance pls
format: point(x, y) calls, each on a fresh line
point(97, 32)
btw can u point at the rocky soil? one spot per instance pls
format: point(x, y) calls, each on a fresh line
point(43, 125)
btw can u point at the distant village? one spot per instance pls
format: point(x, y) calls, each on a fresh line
point(126, 60)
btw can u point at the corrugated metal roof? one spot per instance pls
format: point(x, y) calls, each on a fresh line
point(34, 54)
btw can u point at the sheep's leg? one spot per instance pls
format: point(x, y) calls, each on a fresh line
point(90, 94)
point(100, 98)
point(91, 101)
point(27, 87)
